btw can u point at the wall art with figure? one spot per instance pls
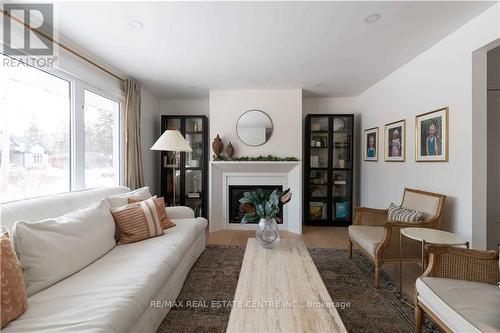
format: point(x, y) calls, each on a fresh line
point(395, 141)
point(371, 144)
point(431, 142)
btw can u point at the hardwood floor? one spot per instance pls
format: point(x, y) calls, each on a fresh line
point(322, 237)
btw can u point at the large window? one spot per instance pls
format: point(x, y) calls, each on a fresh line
point(56, 134)
point(35, 133)
point(102, 140)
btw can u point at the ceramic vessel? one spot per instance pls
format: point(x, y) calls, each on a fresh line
point(217, 146)
point(230, 150)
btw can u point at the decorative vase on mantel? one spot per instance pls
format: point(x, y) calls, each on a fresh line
point(230, 150)
point(217, 146)
point(267, 233)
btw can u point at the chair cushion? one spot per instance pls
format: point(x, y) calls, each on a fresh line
point(368, 237)
point(462, 305)
point(420, 202)
point(110, 294)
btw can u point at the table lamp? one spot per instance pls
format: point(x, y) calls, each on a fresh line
point(172, 140)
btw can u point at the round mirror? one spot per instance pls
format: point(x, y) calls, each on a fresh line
point(254, 127)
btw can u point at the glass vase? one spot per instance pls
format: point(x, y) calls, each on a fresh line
point(267, 233)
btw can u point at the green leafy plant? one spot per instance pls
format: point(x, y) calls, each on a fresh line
point(258, 204)
point(260, 158)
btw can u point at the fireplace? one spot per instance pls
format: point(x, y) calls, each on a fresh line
point(236, 193)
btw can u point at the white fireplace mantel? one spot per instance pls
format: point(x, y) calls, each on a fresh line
point(226, 173)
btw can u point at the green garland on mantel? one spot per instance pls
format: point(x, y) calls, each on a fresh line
point(260, 158)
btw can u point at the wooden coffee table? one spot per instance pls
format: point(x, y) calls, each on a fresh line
point(280, 290)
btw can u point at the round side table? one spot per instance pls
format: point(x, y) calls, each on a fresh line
point(426, 236)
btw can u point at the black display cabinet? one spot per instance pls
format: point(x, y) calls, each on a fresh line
point(191, 168)
point(328, 169)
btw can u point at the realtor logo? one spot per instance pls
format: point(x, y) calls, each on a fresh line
point(37, 17)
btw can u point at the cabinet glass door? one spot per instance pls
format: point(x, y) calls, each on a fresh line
point(193, 191)
point(342, 154)
point(194, 135)
point(318, 162)
point(341, 193)
point(171, 161)
point(318, 142)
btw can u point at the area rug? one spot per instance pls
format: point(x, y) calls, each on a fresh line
point(202, 304)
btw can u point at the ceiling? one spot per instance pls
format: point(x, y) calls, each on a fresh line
point(185, 48)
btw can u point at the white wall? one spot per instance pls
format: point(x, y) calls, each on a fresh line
point(185, 106)
point(441, 76)
point(150, 132)
point(328, 105)
point(284, 107)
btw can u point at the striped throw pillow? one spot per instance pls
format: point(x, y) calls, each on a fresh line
point(399, 214)
point(166, 222)
point(138, 221)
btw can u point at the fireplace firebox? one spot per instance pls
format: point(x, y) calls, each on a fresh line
point(236, 193)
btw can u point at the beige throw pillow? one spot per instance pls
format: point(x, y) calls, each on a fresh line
point(166, 222)
point(138, 221)
point(14, 300)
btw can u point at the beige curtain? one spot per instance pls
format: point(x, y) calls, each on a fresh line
point(134, 177)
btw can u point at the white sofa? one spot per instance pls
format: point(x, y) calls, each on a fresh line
point(115, 293)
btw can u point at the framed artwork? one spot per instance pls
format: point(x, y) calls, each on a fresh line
point(395, 141)
point(371, 144)
point(431, 141)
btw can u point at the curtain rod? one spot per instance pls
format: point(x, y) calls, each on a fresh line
point(67, 48)
point(493, 89)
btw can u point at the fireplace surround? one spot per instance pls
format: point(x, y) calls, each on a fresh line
point(277, 174)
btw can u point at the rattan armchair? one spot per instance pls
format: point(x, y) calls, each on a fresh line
point(378, 238)
point(475, 266)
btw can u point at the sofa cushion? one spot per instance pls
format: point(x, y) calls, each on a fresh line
point(462, 305)
point(368, 237)
point(165, 221)
point(122, 199)
point(138, 221)
point(14, 299)
point(112, 293)
point(36, 209)
point(52, 249)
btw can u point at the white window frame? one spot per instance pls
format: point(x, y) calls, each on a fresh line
point(121, 121)
point(77, 126)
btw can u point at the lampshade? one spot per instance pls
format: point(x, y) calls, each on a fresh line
point(171, 140)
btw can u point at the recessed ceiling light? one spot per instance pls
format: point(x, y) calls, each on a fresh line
point(136, 24)
point(372, 18)
point(319, 85)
